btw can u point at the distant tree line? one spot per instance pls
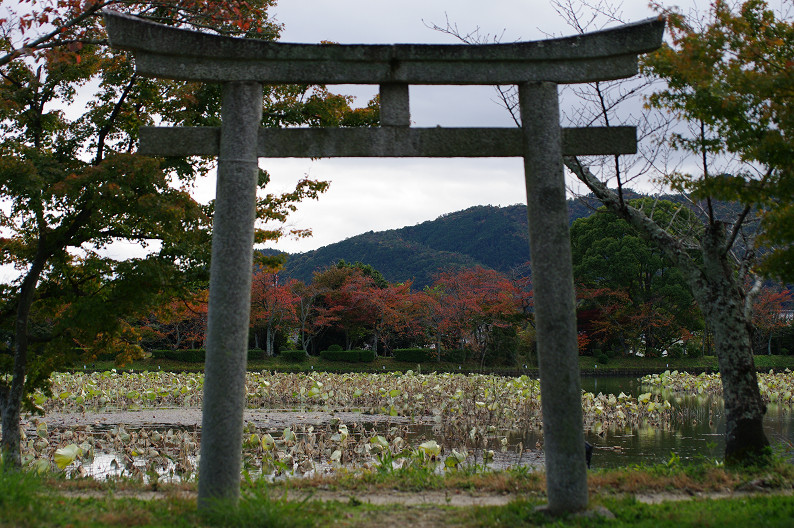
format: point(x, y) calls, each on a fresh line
point(630, 301)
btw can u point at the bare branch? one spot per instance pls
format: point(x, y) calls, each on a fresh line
point(672, 247)
point(103, 132)
point(737, 227)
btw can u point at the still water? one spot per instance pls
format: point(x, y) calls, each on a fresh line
point(699, 431)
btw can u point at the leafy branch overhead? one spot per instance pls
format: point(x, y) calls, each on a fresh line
point(734, 78)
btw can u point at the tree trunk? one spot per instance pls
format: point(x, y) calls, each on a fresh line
point(722, 301)
point(11, 396)
point(271, 337)
point(10, 410)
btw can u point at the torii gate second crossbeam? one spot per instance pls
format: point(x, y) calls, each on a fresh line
point(245, 65)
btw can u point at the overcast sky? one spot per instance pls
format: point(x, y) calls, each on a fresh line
point(383, 193)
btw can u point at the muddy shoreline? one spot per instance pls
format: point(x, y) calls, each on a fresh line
point(190, 417)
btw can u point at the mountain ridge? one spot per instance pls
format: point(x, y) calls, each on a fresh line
point(495, 237)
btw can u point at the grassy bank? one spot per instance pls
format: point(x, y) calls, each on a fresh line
point(701, 494)
point(587, 364)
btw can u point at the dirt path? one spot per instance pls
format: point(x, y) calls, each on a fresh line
point(435, 498)
point(455, 498)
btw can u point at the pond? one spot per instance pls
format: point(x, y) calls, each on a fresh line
point(150, 423)
point(699, 429)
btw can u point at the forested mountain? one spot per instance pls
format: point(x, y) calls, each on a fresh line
point(485, 235)
point(493, 237)
point(397, 258)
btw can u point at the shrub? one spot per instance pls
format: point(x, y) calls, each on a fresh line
point(365, 356)
point(335, 348)
point(195, 355)
point(351, 356)
point(602, 358)
point(676, 351)
point(457, 355)
point(694, 349)
point(339, 355)
point(414, 355)
point(293, 355)
point(255, 354)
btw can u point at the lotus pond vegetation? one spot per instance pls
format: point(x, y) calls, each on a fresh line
point(146, 425)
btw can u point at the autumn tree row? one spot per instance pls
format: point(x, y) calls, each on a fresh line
point(354, 306)
point(630, 301)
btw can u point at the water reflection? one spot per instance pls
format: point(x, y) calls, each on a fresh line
point(698, 431)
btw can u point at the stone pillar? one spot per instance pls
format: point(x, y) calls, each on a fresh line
point(555, 313)
point(230, 293)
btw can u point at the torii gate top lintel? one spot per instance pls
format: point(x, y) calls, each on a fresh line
point(168, 52)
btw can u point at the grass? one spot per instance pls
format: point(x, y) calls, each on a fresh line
point(588, 364)
point(28, 500)
point(760, 511)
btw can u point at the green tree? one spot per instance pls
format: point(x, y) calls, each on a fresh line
point(642, 298)
point(734, 79)
point(71, 183)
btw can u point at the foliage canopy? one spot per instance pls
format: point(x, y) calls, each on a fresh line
point(733, 77)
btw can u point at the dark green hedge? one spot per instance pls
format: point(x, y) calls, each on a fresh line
point(414, 355)
point(256, 354)
point(352, 356)
point(293, 355)
point(423, 355)
point(197, 355)
point(365, 356)
point(456, 355)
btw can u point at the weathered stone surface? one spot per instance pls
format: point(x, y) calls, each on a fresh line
point(395, 142)
point(555, 305)
point(394, 105)
point(230, 293)
point(167, 52)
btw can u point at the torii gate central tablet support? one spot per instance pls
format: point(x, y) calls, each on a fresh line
point(245, 65)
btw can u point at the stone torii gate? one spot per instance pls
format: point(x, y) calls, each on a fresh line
point(243, 66)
